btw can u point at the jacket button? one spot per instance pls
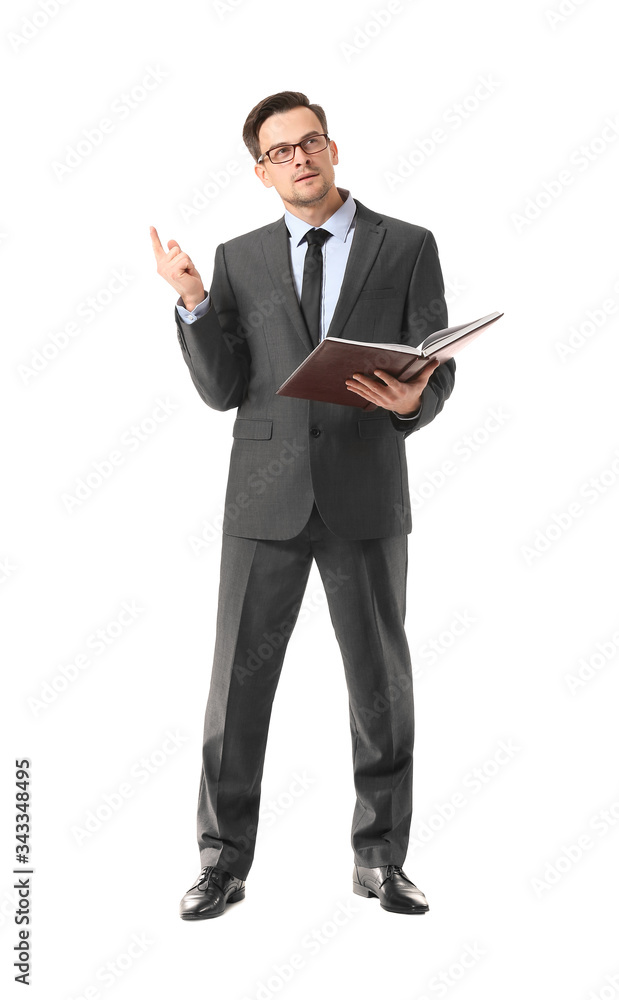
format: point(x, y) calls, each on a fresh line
point(315, 432)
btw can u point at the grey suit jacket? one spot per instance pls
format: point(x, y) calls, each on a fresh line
point(288, 452)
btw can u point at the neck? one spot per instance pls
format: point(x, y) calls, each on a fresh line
point(318, 213)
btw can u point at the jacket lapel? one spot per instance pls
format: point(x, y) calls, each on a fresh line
point(277, 255)
point(367, 239)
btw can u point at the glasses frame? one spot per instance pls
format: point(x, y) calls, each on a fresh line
point(277, 163)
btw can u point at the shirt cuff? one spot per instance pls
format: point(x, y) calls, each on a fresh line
point(402, 416)
point(191, 316)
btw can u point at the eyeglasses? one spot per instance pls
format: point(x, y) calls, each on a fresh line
point(283, 154)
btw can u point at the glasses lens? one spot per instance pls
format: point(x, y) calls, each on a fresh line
point(314, 144)
point(281, 153)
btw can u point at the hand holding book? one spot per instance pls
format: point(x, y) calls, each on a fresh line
point(324, 373)
point(403, 397)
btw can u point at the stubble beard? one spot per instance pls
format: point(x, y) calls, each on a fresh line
point(301, 199)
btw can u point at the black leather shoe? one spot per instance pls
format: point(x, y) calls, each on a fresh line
point(393, 888)
point(210, 894)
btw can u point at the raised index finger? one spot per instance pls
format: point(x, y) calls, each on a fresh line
point(158, 249)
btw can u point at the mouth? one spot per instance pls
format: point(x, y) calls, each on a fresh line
point(306, 177)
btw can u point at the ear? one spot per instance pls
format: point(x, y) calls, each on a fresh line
point(261, 173)
point(334, 153)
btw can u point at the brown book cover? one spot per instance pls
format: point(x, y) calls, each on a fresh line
point(322, 376)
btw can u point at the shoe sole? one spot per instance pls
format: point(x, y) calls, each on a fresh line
point(362, 890)
point(234, 898)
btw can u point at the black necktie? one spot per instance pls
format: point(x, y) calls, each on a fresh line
point(311, 293)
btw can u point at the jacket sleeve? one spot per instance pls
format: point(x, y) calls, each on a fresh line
point(214, 346)
point(425, 312)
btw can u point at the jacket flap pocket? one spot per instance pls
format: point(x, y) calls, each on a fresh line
point(375, 427)
point(256, 430)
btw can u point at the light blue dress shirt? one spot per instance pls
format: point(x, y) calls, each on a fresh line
point(335, 253)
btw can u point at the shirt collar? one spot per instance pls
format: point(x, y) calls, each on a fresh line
point(338, 224)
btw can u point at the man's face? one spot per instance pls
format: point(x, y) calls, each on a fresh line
point(289, 127)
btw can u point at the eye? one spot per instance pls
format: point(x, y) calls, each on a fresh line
point(281, 151)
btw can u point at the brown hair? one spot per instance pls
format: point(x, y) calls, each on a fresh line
point(286, 100)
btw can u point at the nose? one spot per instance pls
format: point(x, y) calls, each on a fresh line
point(301, 158)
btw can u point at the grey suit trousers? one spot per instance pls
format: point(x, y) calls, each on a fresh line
point(261, 588)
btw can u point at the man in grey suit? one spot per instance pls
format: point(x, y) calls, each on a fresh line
point(310, 480)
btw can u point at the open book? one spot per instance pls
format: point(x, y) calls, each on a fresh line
point(322, 376)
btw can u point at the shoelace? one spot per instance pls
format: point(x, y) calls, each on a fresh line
point(205, 875)
point(393, 868)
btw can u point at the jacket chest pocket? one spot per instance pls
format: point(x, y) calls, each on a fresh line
point(378, 293)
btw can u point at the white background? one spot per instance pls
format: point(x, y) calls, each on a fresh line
point(505, 879)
